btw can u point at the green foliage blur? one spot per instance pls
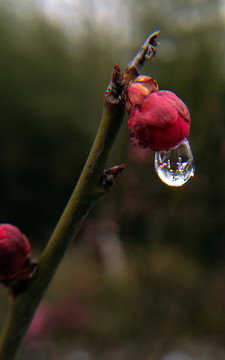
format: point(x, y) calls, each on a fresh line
point(52, 90)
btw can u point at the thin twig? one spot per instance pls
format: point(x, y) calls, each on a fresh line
point(147, 52)
point(92, 185)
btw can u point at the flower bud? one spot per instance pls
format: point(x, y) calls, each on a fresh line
point(14, 254)
point(159, 119)
point(139, 89)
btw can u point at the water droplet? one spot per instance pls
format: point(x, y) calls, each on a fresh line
point(176, 165)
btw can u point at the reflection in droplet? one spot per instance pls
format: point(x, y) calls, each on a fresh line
point(176, 165)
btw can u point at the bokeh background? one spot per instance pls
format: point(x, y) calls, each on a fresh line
point(145, 279)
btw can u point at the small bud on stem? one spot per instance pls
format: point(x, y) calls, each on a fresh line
point(15, 262)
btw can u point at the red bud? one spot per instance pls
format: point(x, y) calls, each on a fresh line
point(158, 119)
point(14, 254)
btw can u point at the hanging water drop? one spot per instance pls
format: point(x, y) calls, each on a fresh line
point(176, 165)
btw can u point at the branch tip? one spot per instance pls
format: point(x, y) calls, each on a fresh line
point(152, 38)
point(147, 52)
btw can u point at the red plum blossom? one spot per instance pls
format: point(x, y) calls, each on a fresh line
point(159, 119)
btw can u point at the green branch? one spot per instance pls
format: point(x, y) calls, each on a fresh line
point(91, 186)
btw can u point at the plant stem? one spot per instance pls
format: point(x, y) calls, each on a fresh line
point(87, 191)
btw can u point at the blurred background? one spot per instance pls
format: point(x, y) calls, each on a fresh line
point(145, 279)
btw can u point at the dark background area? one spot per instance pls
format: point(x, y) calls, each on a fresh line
point(148, 267)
